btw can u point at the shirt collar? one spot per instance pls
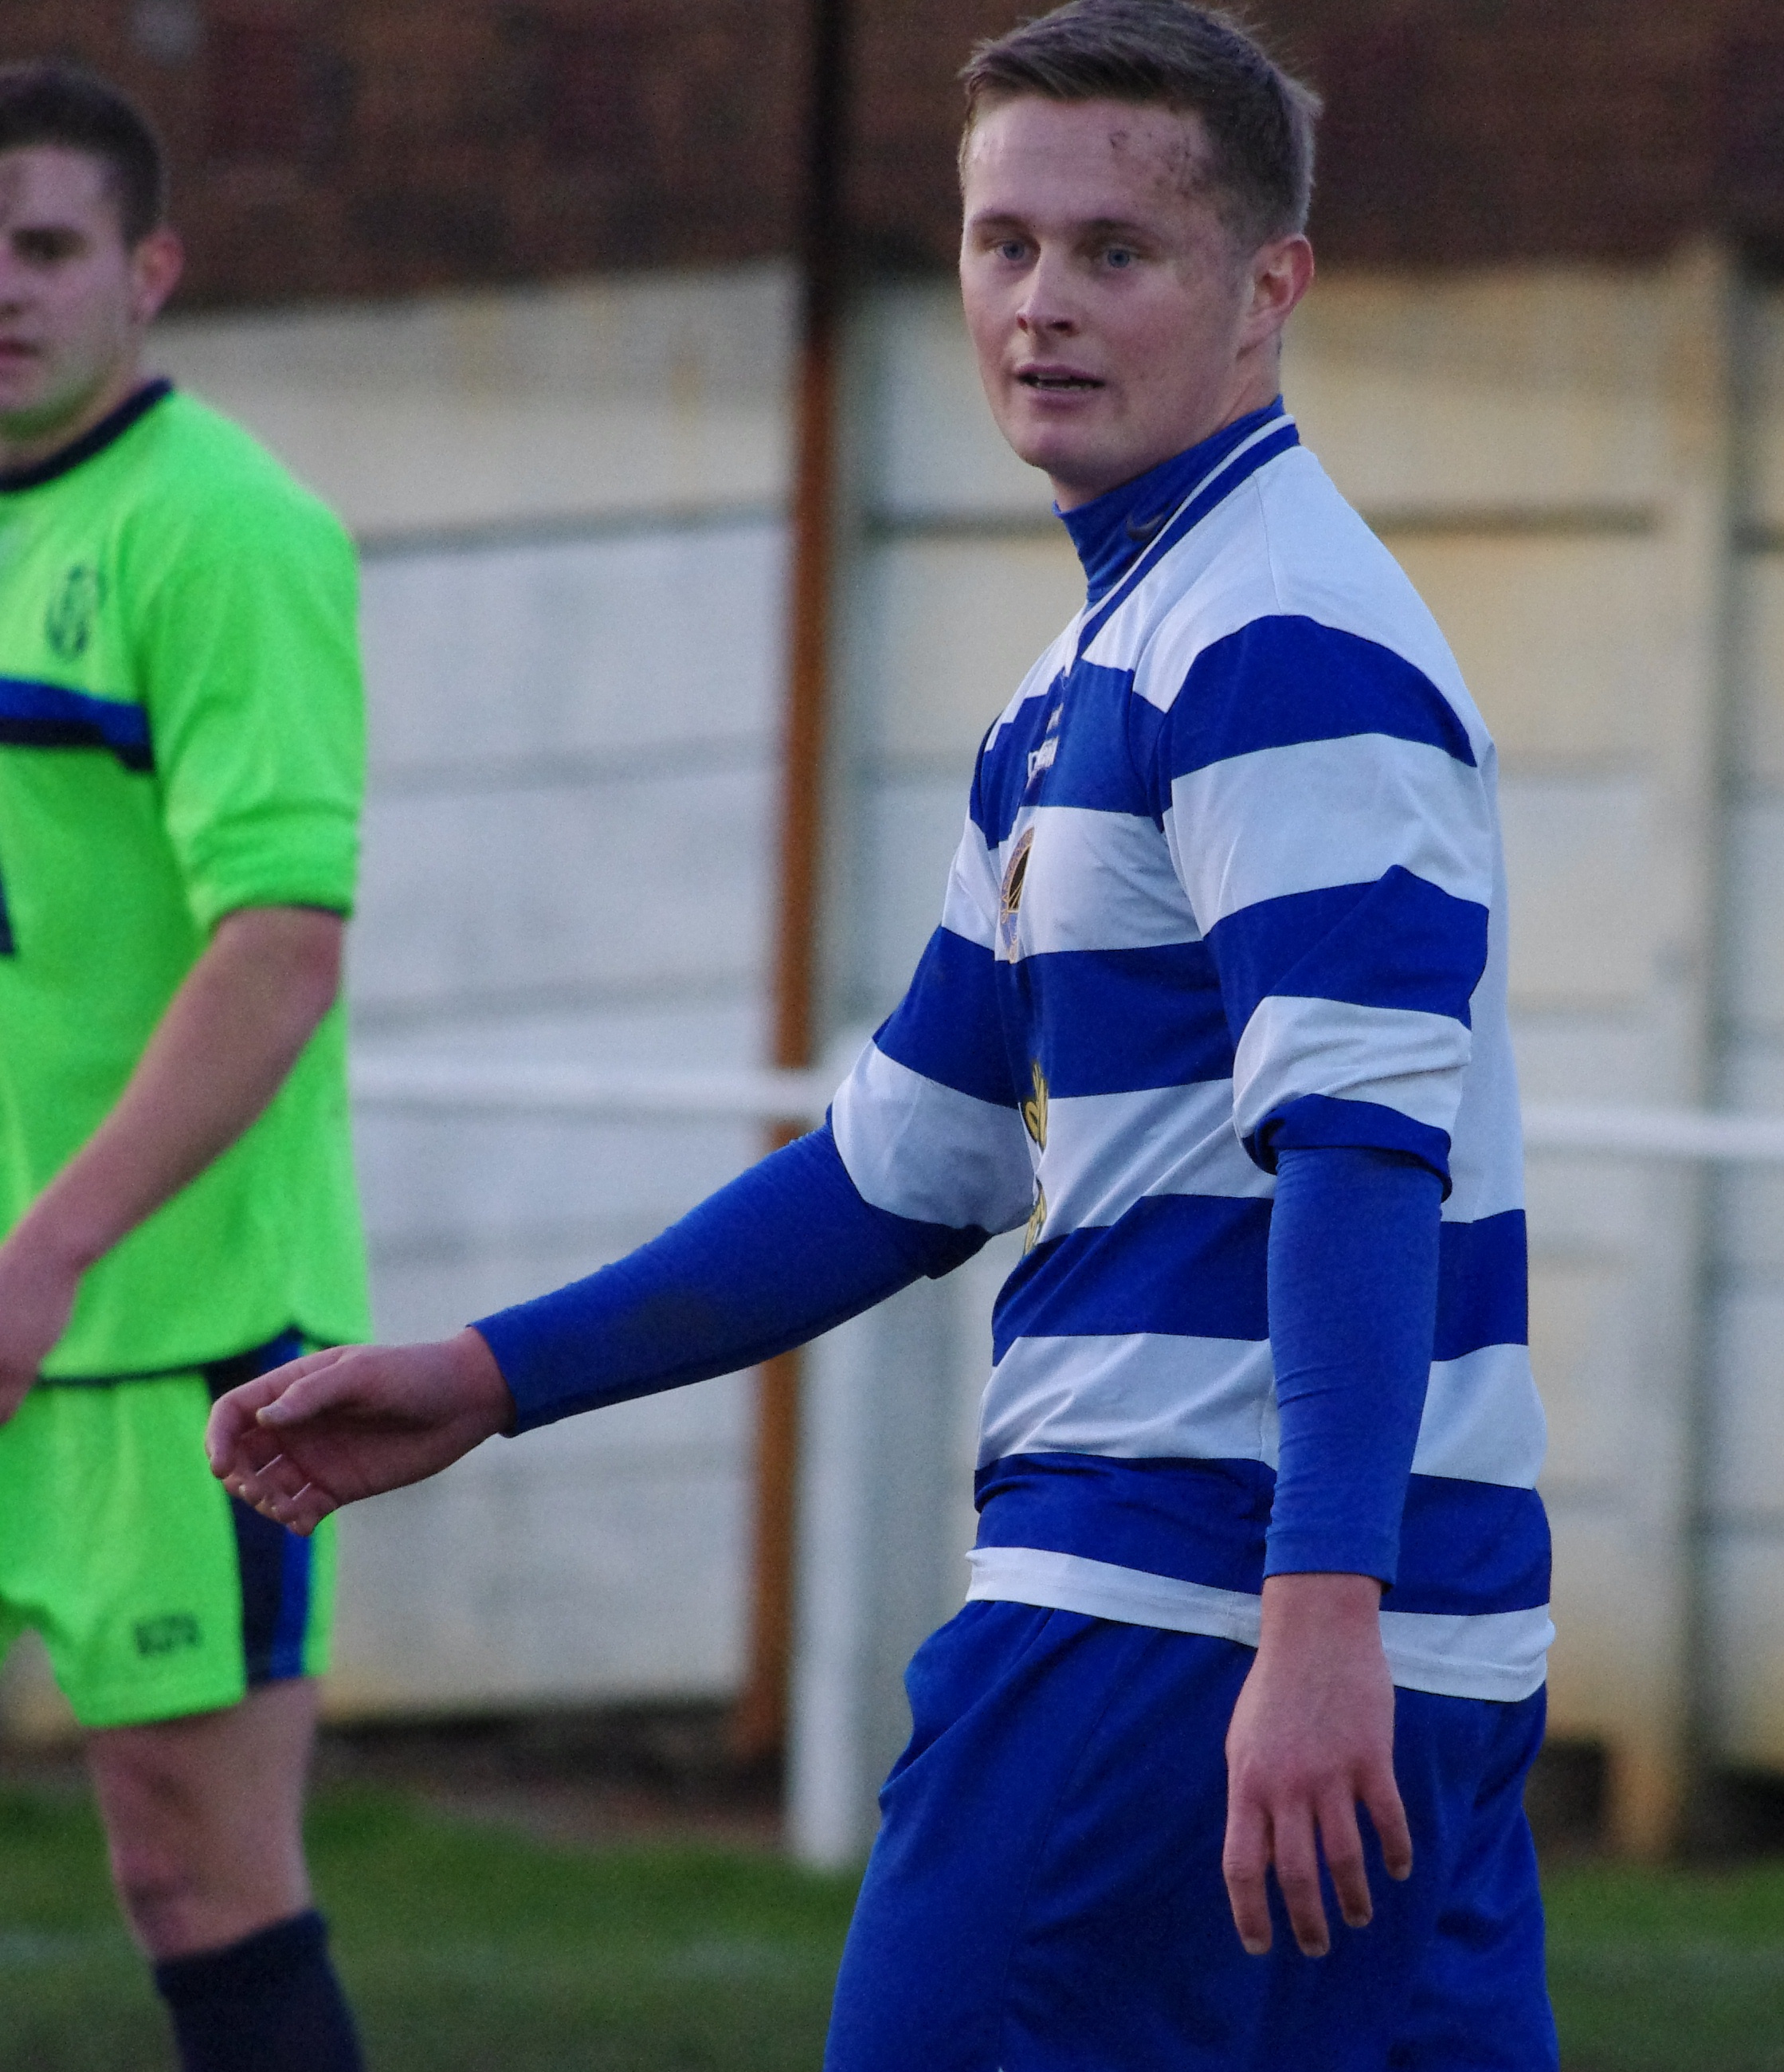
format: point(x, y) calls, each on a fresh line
point(94, 440)
point(1113, 530)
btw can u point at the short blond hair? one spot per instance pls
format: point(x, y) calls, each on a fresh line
point(1257, 119)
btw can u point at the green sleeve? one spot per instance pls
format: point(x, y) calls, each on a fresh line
point(250, 673)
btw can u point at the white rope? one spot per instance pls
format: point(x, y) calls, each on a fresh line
point(464, 1087)
point(615, 1093)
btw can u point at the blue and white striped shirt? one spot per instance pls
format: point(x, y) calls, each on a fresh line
point(1231, 885)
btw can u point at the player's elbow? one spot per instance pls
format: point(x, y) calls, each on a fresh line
point(294, 954)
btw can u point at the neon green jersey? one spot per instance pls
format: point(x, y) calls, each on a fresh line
point(181, 736)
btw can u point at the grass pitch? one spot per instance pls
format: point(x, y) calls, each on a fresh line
point(469, 1948)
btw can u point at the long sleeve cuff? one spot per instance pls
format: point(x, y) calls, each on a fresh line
point(783, 1253)
point(1352, 1294)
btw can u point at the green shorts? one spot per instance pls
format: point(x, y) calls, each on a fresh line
point(156, 1591)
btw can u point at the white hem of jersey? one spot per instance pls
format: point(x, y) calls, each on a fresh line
point(1502, 1656)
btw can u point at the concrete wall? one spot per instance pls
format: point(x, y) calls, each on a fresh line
point(569, 503)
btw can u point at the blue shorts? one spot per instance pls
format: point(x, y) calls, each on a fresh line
point(1046, 1895)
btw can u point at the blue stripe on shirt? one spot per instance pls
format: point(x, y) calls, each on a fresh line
point(1117, 1021)
point(1190, 1266)
point(1286, 679)
point(1400, 942)
point(1482, 1285)
point(1317, 1122)
point(1465, 1547)
point(35, 715)
point(1091, 766)
point(1195, 1266)
point(947, 1026)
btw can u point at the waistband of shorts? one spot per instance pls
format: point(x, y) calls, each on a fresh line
point(219, 1376)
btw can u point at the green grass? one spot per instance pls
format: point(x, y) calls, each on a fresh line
point(469, 1948)
point(465, 1949)
point(1668, 1970)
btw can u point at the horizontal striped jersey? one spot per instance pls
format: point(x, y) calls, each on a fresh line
point(1230, 885)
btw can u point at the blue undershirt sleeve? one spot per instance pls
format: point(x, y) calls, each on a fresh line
point(783, 1253)
point(1353, 1297)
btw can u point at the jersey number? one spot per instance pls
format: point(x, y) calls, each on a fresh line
point(8, 946)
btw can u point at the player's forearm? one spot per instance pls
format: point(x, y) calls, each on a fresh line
point(1353, 1275)
point(788, 1250)
point(219, 1053)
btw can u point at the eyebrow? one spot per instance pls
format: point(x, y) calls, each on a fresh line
point(1097, 226)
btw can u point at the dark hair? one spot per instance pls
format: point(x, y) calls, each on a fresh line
point(1259, 122)
point(54, 103)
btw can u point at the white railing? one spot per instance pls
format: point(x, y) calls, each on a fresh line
point(611, 1093)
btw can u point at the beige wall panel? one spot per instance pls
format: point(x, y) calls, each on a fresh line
point(1563, 1057)
point(1557, 637)
point(1579, 1346)
point(472, 896)
point(951, 627)
point(1514, 391)
point(633, 394)
point(1576, 1204)
point(1759, 671)
point(541, 650)
point(934, 449)
point(1755, 920)
point(1747, 1591)
point(1765, 437)
point(1580, 857)
point(544, 1568)
point(1603, 1644)
point(1747, 1446)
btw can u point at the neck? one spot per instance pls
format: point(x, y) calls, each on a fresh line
point(24, 443)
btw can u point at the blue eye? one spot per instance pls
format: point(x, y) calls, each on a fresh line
point(1119, 255)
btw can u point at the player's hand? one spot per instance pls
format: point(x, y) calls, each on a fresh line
point(38, 1286)
point(1312, 1736)
point(336, 1426)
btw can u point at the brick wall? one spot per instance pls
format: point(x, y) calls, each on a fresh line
point(355, 147)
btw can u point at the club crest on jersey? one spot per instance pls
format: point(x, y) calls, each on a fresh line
point(68, 623)
point(1009, 897)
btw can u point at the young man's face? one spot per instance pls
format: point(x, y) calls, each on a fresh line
point(1114, 318)
point(74, 297)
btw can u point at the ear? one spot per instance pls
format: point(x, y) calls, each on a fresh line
point(156, 264)
point(1281, 272)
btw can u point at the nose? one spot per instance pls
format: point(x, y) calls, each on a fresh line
point(1045, 310)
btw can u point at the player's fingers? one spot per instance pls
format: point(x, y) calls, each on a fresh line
point(302, 1513)
point(1297, 1854)
point(1341, 1844)
point(1244, 1862)
point(232, 1416)
point(321, 1383)
point(1381, 1795)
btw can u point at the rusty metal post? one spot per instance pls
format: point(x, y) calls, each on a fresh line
point(758, 1725)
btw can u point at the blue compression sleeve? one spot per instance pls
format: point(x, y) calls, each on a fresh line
point(1353, 1291)
point(785, 1251)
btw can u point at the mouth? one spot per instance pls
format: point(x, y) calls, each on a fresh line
point(1057, 380)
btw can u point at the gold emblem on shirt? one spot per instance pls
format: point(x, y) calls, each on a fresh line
point(1009, 897)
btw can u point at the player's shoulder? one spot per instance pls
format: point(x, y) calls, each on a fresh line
point(204, 482)
point(1289, 562)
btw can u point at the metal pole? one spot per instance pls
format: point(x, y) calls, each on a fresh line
point(758, 1725)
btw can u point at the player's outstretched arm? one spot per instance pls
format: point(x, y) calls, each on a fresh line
point(336, 1426)
point(1312, 1737)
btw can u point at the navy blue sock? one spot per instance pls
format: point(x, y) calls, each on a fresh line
point(270, 2001)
